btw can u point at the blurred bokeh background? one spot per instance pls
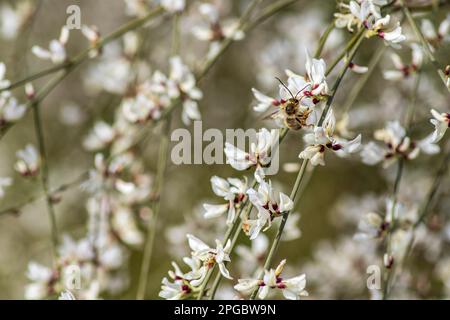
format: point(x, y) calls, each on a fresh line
point(253, 62)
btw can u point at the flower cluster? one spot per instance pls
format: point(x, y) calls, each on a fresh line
point(396, 145)
point(10, 109)
point(367, 14)
point(323, 138)
point(292, 288)
point(152, 97)
point(215, 31)
point(295, 107)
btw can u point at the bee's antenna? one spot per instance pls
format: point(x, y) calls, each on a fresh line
point(301, 90)
point(279, 80)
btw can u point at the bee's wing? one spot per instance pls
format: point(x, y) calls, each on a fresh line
point(270, 116)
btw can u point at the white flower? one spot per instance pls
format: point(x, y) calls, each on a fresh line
point(4, 182)
point(211, 256)
point(441, 123)
point(173, 6)
point(186, 89)
point(260, 151)
point(40, 277)
point(12, 19)
point(28, 161)
point(316, 70)
point(3, 82)
point(291, 288)
point(183, 283)
point(173, 290)
point(382, 27)
point(214, 30)
point(270, 204)
point(264, 102)
point(124, 224)
point(322, 138)
point(357, 68)
point(354, 15)
point(66, 295)
point(100, 136)
point(436, 37)
point(136, 7)
point(10, 109)
point(403, 70)
point(113, 73)
point(57, 48)
point(371, 226)
point(93, 35)
point(139, 108)
point(396, 145)
point(232, 190)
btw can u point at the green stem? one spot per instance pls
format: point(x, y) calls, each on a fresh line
point(350, 45)
point(424, 42)
point(52, 193)
point(44, 179)
point(323, 39)
point(268, 12)
point(401, 163)
point(152, 222)
point(362, 81)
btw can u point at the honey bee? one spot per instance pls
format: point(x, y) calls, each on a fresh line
point(293, 115)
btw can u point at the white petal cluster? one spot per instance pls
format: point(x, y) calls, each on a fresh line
point(323, 139)
point(233, 191)
point(396, 145)
point(56, 51)
point(292, 288)
point(4, 183)
point(441, 122)
point(80, 272)
point(367, 14)
point(28, 161)
point(13, 18)
point(403, 70)
point(10, 109)
point(214, 30)
point(173, 6)
point(436, 36)
point(153, 96)
point(258, 155)
point(269, 205)
point(185, 285)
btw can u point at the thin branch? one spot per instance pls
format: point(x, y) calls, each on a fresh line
point(425, 44)
point(45, 177)
point(152, 223)
point(323, 39)
point(362, 81)
point(134, 24)
point(14, 210)
point(400, 166)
